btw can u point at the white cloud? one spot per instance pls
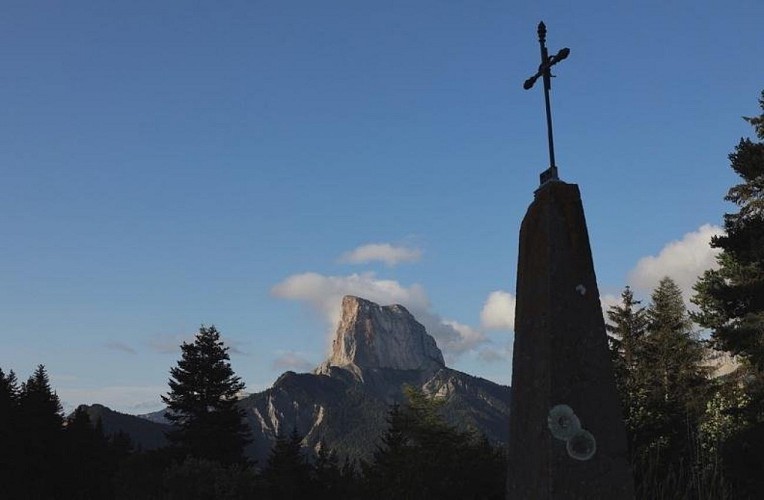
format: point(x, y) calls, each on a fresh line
point(381, 252)
point(291, 360)
point(490, 356)
point(496, 355)
point(498, 311)
point(467, 337)
point(607, 301)
point(682, 260)
point(324, 294)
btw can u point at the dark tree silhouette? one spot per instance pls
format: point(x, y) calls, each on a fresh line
point(90, 465)
point(9, 431)
point(421, 456)
point(327, 475)
point(41, 431)
point(287, 472)
point(731, 303)
point(202, 402)
point(731, 298)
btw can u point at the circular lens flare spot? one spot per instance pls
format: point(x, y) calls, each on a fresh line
point(582, 446)
point(563, 422)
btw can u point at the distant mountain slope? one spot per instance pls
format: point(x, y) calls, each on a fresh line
point(349, 417)
point(146, 435)
point(344, 403)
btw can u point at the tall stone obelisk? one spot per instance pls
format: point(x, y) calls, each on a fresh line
point(566, 435)
point(567, 438)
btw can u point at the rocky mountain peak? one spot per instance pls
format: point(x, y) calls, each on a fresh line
point(377, 350)
point(374, 336)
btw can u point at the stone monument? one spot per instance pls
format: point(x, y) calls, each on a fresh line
point(567, 438)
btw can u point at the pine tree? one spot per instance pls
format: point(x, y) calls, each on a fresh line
point(287, 473)
point(421, 456)
point(202, 401)
point(40, 404)
point(731, 303)
point(41, 431)
point(327, 474)
point(628, 336)
point(662, 384)
point(9, 437)
point(391, 473)
point(628, 326)
point(9, 395)
point(89, 466)
point(675, 347)
point(674, 382)
point(731, 298)
point(9, 402)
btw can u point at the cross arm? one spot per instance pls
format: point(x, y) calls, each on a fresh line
point(546, 66)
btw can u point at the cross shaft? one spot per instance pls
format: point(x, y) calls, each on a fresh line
point(545, 72)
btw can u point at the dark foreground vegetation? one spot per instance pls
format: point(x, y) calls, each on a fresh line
point(692, 435)
point(46, 456)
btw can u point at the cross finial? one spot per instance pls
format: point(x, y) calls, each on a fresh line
point(545, 71)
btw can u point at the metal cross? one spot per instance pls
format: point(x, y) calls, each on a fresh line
point(545, 71)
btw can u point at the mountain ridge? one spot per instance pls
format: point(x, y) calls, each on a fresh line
point(343, 404)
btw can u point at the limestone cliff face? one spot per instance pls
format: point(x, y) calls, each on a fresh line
point(371, 336)
point(344, 403)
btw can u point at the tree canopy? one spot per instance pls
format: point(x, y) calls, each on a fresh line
point(202, 401)
point(421, 456)
point(661, 379)
point(731, 298)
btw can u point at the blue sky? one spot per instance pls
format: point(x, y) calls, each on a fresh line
point(168, 164)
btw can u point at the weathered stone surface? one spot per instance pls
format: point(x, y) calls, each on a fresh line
point(374, 336)
point(561, 362)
